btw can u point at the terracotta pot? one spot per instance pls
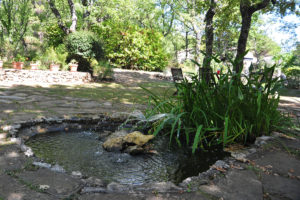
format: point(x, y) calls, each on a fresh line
point(19, 65)
point(14, 65)
point(54, 67)
point(34, 66)
point(73, 67)
point(1, 64)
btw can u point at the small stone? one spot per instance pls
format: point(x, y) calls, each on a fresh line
point(116, 187)
point(93, 190)
point(29, 152)
point(6, 128)
point(76, 174)
point(44, 187)
point(92, 182)
point(221, 164)
point(57, 168)
point(41, 164)
point(107, 104)
point(262, 140)
point(239, 156)
point(164, 187)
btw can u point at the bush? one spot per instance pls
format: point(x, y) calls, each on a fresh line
point(132, 47)
point(292, 71)
point(83, 46)
point(54, 35)
point(211, 115)
point(54, 55)
point(102, 70)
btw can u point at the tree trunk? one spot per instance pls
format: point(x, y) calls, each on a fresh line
point(242, 42)
point(58, 17)
point(247, 11)
point(209, 35)
point(186, 44)
point(73, 16)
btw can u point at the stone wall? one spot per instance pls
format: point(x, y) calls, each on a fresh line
point(41, 76)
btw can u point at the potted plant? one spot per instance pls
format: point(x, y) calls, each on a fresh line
point(54, 67)
point(19, 63)
point(73, 65)
point(1, 63)
point(34, 64)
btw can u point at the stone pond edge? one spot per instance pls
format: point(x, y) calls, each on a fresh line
point(94, 185)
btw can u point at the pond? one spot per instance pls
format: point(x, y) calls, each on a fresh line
point(82, 151)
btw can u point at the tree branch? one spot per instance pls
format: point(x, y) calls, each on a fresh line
point(58, 16)
point(259, 6)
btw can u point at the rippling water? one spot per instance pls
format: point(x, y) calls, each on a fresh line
point(82, 151)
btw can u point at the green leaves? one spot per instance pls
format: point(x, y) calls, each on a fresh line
point(232, 111)
point(132, 47)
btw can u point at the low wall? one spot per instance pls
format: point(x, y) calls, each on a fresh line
point(43, 76)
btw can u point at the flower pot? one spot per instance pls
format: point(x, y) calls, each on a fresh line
point(1, 64)
point(14, 65)
point(73, 67)
point(54, 67)
point(19, 65)
point(34, 66)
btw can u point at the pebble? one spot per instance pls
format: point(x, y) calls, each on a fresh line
point(41, 164)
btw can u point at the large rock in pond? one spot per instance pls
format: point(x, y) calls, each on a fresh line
point(113, 144)
point(131, 143)
point(137, 138)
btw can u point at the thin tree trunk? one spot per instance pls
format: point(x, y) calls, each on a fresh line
point(209, 35)
point(186, 44)
point(73, 16)
point(242, 42)
point(58, 17)
point(247, 11)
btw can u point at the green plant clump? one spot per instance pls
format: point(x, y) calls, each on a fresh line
point(83, 46)
point(132, 47)
point(230, 111)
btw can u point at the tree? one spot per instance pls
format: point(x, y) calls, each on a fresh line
point(73, 16)
point(14, 18)
point(209, 35)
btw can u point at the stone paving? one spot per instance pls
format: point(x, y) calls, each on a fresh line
point(270, 171)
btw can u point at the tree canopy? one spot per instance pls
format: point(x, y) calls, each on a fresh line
point(143, 34)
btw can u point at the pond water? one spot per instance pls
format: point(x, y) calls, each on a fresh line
point(82, 151)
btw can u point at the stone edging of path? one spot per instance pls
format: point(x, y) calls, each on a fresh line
point(43, 76)
point(94, 185)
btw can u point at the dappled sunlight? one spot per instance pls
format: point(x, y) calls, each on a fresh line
point(13, 154)
point(15, 196)
point(8, 111)
point(212, 188)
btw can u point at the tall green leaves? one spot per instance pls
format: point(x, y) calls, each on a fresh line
point(204, 115)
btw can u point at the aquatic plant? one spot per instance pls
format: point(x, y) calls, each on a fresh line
point(235, 108)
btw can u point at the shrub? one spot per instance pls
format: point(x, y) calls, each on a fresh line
point(83, 46)
point(54, 35)
point(103, 70)
point(292, 71)
point(204, 115)
point(54, 55)
point(132, 47)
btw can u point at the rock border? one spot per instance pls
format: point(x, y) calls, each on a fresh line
point(95, 185)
